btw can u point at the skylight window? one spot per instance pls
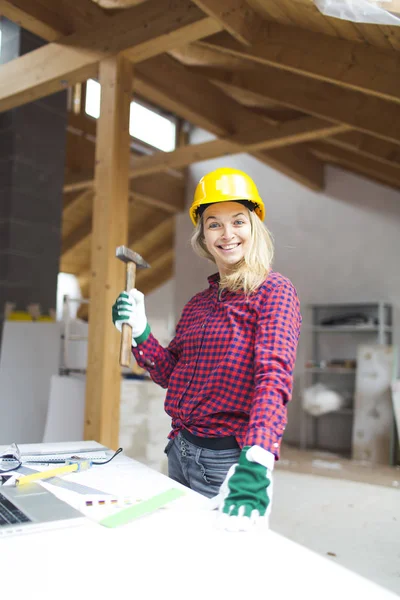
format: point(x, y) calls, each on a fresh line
point(92, 100)
point(144, 124)
point(152, 128)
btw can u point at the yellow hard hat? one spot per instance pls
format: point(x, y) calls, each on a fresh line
point(226, 185)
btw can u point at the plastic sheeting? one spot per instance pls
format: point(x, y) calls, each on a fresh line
point(359, 11)
point(319, 400)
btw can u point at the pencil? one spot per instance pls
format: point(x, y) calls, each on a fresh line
point(53, 472)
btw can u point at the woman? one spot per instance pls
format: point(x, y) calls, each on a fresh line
point(229, 368)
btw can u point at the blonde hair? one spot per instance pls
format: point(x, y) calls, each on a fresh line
point(253, 269)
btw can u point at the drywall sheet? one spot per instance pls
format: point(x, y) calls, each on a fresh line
point(65, 415)
point(30, 354)
point(373, 418)
point(396, 405)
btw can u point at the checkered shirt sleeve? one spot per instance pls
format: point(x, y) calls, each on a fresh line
point(277, 334)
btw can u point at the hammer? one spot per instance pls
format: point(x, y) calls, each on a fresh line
point(132, 260)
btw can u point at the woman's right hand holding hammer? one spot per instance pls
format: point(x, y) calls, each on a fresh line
point(129, 308)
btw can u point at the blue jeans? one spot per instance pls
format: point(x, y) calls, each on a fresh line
point(200, 469)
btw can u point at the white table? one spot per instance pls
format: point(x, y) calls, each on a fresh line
point(176, 552)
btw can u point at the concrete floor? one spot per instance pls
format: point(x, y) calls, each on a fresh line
point(346, 511)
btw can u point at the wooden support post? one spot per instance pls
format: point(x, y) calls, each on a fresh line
point(110, 229)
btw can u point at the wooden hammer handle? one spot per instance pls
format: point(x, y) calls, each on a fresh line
point(125, 351)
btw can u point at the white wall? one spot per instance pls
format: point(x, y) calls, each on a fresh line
point(341, 245)
point(160, 312)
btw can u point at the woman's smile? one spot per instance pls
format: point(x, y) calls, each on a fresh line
point(227, 231)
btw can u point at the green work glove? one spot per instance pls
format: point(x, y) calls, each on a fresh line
point(129, 308)
point(246, 494)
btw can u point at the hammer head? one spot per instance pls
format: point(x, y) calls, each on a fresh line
point(127, 255)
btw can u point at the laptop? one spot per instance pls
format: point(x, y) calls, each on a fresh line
point(30, 508)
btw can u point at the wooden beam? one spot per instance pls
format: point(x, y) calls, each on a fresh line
point(84, 15)
point(276, 114)
point(160, 261)
point(384, 173)
point(224, 115)
point(161, 248)
point(291, 163)
point(195, 98)
point(142, 31)
point(186, 94)
point(79, 158)
point(160, 276)
point(263, 138)
point(345, 63)
point(187, 26)
point(77, 235)
point(74, 218)
point(70, 199)
point(191, 97)
point(78, 180)
point(82, 231)
point(324, 100)
point(110, 229)
point(141, 239)
point(39, 17)
point(162, 269)
point(79, 206)
point(143, 189)
point(79, 174)
point(366, 145)
point(195, 55)
point(82, 125)
point(34, 17)
point(148, 240)
point(311, 168)
point(80, 153)
point(236, 16)
point(172, 205)
point(142, 222)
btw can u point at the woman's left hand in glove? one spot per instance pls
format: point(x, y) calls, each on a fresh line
point(246, 494)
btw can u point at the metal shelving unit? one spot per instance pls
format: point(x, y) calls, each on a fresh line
point(332, 343)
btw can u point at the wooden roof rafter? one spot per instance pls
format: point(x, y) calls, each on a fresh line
point(167, 198)
point(235, 16)
point(324, 100)
point(350, 65)
point(368, 146)
point(112, 36)
point(139, 32)
point(264, 137)
point(255, 57)
point(350, 160)
point(146, 241)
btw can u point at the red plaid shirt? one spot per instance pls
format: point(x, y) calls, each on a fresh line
point(229, 368)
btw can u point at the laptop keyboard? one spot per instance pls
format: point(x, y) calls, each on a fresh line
point(10, 514)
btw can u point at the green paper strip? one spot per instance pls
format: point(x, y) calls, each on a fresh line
point(142, 508)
